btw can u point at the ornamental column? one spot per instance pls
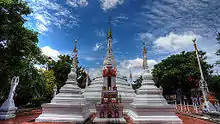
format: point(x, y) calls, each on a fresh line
point(202, 83)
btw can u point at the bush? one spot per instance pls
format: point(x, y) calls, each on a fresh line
point(36, 102)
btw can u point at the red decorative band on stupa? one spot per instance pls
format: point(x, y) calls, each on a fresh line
point(109, 71)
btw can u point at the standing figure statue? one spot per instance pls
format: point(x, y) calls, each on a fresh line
point(8, 108)
point(54, 91)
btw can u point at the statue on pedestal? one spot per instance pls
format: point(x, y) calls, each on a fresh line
point(8, 108)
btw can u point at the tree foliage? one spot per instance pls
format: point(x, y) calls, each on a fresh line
point(18, 51)
point(137, 83)
point(218, 51)
point(180, 71)
point(62, 68)
point(49, 82)
point(214, 85)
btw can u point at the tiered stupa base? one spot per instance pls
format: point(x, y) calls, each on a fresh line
point(149, 106)
point(109, 121)
point(62, 113)
point(67, 106)
point(93, 92)
point(8, 110)
point(154, 115)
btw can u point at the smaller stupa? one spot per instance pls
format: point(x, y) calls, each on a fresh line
point(149, 105)
point(69, 105)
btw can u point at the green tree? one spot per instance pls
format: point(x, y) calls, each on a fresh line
point(49, 80)
point(18, 50)
point(180, 71)
point(31, 85)
point(218, 51)
point(81, 77)
point(62, 68)
point(137, 83)
point(214, 85)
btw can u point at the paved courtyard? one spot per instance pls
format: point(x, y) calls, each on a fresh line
point(28, 118)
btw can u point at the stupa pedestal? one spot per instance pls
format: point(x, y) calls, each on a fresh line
point(110, 109)
point(67, 106)
point(8, 109)
point(149, 106)
point(92, 93)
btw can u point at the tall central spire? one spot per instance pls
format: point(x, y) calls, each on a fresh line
point(145, 66)
point(109, 59)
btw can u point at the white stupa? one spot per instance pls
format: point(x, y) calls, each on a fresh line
point(149, 106)
point(69, 105)
point(93, 92)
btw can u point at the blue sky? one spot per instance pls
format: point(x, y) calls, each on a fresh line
point(167, 26)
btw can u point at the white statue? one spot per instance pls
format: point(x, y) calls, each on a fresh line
point(14, 83)
point(8, 108)
point(54, 90)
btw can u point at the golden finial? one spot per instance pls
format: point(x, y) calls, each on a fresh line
point(109, 30)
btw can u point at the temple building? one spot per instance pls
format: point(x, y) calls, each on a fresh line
point(109, 97)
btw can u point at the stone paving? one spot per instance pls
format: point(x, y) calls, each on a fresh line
point(191, 120)
point(28, 118)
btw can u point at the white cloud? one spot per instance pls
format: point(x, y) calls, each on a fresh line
point(174, 42)
point(114, 41)
point(41, 19)
point(110, 4)
point(47, 14)
point(40, 67)
point(121, 19)
point(98, 46)
point(164, 16)
point(124, 68)
point(103, 44)
point(77, 3)
point(41, 27)
point(88, 58)
point(210, 53)
point(50, 52)
point(145, 36)
point(100, 32)
point(135, 65)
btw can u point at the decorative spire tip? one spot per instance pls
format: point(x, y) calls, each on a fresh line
point(110, 30)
